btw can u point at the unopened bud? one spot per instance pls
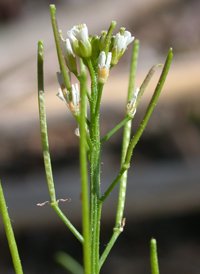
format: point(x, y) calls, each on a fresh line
point(104, 67)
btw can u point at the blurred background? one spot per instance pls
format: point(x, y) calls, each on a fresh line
point(163, 196)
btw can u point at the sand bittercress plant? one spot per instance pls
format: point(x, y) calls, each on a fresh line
point(86, 56)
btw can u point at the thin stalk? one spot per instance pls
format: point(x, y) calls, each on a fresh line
point(134, 142)
point(79, 78)
point(45, 143)
point(121, 124)
point(109, 246)
point(154, 257)
point(43, 124)
point(146, 82)
point(10, 234)
point(150, 107)
point(59, 48)
point(109, 35)
point(94, 87)
point(126, 138)
point(100, 90)
point(84, 179)
point(67, 222)
point(111, 187)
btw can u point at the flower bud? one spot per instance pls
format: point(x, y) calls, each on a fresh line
point(69, 55)
point(74, 105)
point(104, 67)
point(102, 40)
point(120, 43)
point(80, 40)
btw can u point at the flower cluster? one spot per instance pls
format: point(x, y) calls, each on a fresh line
point(103, 52)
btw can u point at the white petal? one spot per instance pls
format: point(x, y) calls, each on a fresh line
point(69, 47)
point(84, 34)
point(129, 38)
point(108, 60)
point(77, 93)
point(60, 95)
point(64, 47)
point(102, 59)
point(71, 36)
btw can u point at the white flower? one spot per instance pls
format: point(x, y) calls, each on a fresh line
point(131, 108)
point(63, 93)
point(69, 55)
point(74, 105)
point(79, 32)
point(71, 99)
point(104, 67)
point(61, 96)
point(120, 43)
point(69, 47)
point(80, 40)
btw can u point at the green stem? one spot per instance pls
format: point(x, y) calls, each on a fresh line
point(43, 124)
point(100, 90)
point(10, 234)
point(79, 78)
point(95, 196)
point(45, 143)
point(126, 138)
point(121, 124)
point(130, 150)
point(154, 257)
point(59, 48)
point(109, 247)
point(109, 35)
point(89, 142)
point(67, 222)
point(150, 108)
point(95, 208)
point(146, 82)
point(94, 88)
point(111, 187)
point(84, 179)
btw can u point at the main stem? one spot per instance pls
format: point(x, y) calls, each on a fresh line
point(84, 179)
point(95, 208)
